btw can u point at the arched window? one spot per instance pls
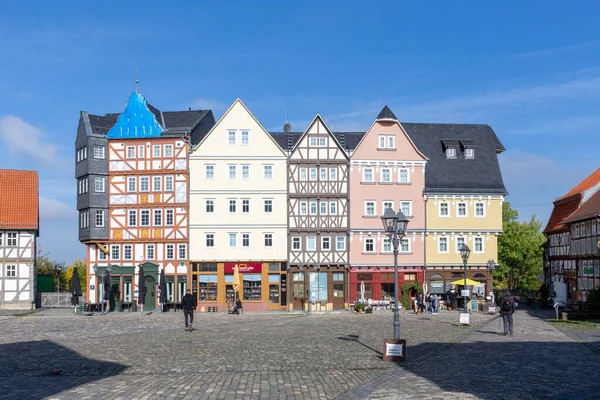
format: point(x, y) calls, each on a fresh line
point(436, 276)
point(454, 276)
point(479, 276)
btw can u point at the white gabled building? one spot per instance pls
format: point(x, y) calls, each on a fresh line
point(238, 214)
point(19, 229)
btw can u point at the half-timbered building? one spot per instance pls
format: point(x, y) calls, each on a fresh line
point(318, 220)
point(133, 201)
point(561, 263)
point(238, 214)
point(19, 229)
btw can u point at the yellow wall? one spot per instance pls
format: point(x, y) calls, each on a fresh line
point(490, 250)
point(491, 221)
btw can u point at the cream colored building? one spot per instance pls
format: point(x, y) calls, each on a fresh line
point(238, 213)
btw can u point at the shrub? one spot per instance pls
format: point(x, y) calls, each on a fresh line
point(359, 306)
point(369, 310)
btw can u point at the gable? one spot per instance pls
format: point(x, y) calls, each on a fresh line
point(403, 147)
point(309, 146)
point(238, 119)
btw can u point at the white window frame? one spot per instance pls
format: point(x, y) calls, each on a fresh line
point(312, 174)
point(333, 174)
point(342, 242)
point(447, 215)
point(450, 152)
point(381, 141)
point(323, 207)
point(246, 205)
point(209, 203)
point(142, 213)
point(364, 175)
point(131, 213)
point(127, 252)
point(267, 171)
point(268, 236)
point(102, 181)
point(145, 179)
point(458, 203)
point(387, 203)
point(100, 214)
point(366, 209)
point(386, 245)
point(333, 207)
point(296, 241)
point(157, 216)
point(150, 252)
point(322, 141)
point(170, 214)
point(209, 171)
point(156, 183)
point(99, 152)
point(268, 206)
point(410, 214)
point(141, 151)
point(156, 151)
point(232, 202)
point(313, 205)
point(408, 246)
point(231, 137)
point(445, 240)
point(391, 141)
point(482, 209)
point(475, 251)
point(246, 238)
point(232, 171)
point(130, 152)
point(310, 239)
point(232, 242)
point(131, 180)
point(325, 239)
point(11, 270)
point(303, 208)
point(209, 236)
point(169, 179)
point(303, 174)
point(367, 241)
point(312, 141)
point(469, 153)
point(170, 252)
point(381, 171)
point(12, 238)
point(323, 174)
point(245, 138)
point(245, 171)
point(168, 151)
point(115, 252)
point(400, 170)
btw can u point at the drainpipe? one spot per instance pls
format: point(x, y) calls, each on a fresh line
point(425, 243)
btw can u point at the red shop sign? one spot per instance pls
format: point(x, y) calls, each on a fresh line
point(248, 267)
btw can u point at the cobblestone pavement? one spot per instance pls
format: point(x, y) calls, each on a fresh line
point(58, 355)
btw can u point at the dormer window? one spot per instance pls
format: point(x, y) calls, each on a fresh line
point(450, 152)
point(469, 153)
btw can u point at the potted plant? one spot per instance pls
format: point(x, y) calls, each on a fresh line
point(359, 307)
point(368, 309)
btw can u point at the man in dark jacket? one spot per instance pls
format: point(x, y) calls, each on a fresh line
point(189, 305)
point(507, 309)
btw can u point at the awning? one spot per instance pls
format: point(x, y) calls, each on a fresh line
point(470, 282)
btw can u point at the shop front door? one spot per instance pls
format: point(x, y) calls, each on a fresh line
point(339, 296)
point(150, 301)
point(298, 295)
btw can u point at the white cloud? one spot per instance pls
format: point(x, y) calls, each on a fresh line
point(53, 209)
point(555, 50)
point(23, 138)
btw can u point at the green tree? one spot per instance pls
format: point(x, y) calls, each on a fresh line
point(519, 254)
point(81, 270)
point(46, 266)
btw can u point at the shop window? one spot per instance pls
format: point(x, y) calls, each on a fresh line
point(208, 267)
point(337, 276)
point(318, 286)
point(364, 277)
point(252, 286)
point(127, 288)
point(387, 290)
point(298, 276)
point(170, 289)
point(387, 277)
point(410, 276)
point(181, 287)
point(338, 290)
point(273, 267)
point(208, 287)
point(274, 288)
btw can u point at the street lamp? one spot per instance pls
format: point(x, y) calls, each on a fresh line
point(491, 266)
point(58, 269)
point(465, 251)
point(394, 226)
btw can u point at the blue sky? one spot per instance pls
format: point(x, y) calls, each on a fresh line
point(529, 69)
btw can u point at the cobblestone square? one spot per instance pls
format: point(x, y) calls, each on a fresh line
point(58, 355)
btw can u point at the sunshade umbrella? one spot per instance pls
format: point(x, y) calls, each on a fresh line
point(75, 288)
point(163, 288)
point(141, 286)
point(236, 281)
point(470, 282)
point(106, 283)
point(362, 291)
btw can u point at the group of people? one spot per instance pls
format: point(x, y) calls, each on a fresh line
point(189, 304)
point(429, 303)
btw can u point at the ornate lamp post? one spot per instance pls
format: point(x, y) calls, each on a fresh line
point(491, 266)
point(58, 269)
point(395, 228)
point(465, 251)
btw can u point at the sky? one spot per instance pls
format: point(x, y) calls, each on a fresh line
point(529, 69)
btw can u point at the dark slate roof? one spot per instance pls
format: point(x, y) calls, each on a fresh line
point(478, 175)
point(348, 140)
point(196, 122)
point(386, 113)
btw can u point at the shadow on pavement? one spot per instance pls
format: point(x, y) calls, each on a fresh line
point(38, 369)
point(503, 369)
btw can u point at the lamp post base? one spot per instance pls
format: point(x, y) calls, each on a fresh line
point(394, 350)
point(464, 318)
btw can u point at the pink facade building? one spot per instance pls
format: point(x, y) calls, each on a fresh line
point(386, 170)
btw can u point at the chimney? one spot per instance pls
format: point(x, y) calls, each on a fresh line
point(287, 128)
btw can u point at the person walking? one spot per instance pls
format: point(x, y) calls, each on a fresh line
point(434, 303)
point(507, 309)
point(189, 305)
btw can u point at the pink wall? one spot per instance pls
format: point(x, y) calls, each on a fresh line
point(361, 192)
